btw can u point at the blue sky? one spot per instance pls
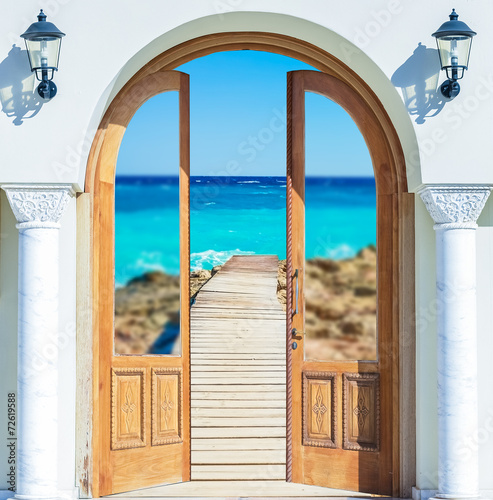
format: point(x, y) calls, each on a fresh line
point(237, 111)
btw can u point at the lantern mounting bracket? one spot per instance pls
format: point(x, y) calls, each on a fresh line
point(450, 89)
point(47, 89)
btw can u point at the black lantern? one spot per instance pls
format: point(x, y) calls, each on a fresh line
point(43, 41)
point(454, 40)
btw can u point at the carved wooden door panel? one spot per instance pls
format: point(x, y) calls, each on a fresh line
point(341, 413)
point(144, 431)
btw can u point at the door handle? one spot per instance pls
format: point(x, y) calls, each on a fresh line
point(297, 290)
point(297, 334)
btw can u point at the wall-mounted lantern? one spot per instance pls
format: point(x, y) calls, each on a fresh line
point(454, 40)
point(43, 40)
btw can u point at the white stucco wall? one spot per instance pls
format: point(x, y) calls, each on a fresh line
point(99, 41)
point(107, 42)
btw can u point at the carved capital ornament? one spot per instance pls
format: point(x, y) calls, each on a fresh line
point(38, 206)
point(455, 206)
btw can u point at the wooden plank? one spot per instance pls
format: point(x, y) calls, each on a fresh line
point(239, 403)
point(241, 344)
point(239, 334)
point(238, 342)
point(265, 443)
point(240, 331)
point(229, 380)
point(238, 421)
point(267, 457)
point(223, 472)
point(236, 332)
point(238, 432)
point(246, 370)
point(249, 350)
point(220, 313)
point(249, 375)
point(243, 308)
point(238, 355)
point(243, 377)
point(244, 396)
point(249, 301)
point(239, 412)
point(213, 299)
point(211, 361)
point(232, 325)
point(269, 388)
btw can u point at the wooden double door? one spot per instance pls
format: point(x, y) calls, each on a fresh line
point(341, 416)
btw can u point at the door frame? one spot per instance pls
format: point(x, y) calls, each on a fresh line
point(100, 170)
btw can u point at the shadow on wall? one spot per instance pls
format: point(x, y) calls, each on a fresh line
point(418, 80)
point(18, 96)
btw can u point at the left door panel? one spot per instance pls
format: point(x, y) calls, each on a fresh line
point(143, 418)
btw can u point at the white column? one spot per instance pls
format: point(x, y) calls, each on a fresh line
point(455, 210)
point(38, 209)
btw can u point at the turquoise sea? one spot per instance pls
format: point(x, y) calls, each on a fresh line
point(236, 215)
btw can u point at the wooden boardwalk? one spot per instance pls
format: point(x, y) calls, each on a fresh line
point(238, 379)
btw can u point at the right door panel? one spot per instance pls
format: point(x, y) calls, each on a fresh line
point(343, 405)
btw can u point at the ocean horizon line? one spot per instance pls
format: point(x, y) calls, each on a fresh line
point(240, 179)
point(168, 176)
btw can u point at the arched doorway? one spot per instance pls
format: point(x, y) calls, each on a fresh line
point(351, 92)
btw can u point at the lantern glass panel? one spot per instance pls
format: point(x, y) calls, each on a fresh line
point(454, 54)
point(43, 54)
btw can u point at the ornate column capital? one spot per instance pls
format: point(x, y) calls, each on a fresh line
point(455, 206)
point(38, 205)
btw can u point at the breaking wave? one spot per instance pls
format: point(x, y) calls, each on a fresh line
point(210, 258)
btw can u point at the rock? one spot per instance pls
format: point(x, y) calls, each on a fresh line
point(333, 311)
point(159, 318)
point(368, 253)
point(215, 270)
point(340, 316)
point(198, 279)
point(281, 282)
point(364, 291)
point(201, 274)
point(326, 265)
point(352, 327)
point(281, 296)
